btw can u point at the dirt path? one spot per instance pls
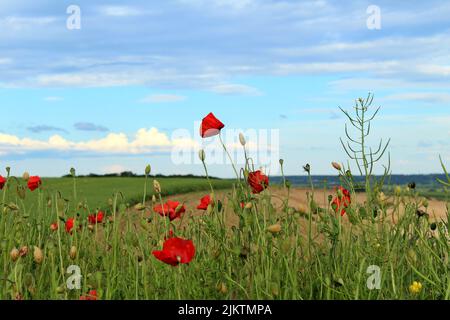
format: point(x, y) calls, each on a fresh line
point(298, 199)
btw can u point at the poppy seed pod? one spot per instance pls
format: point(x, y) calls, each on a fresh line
point(38, 255)
point(276, 228)
point(156, 186)
point(242, 139)
point(202, 155)
point(14, 254)
point(26, 176)
point(73, 252)
point(337, 166)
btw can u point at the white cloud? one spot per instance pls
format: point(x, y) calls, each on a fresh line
point(427, 97)
point(236, 89)
point(119, 11)
point(53, 98)
point(163, 98)
point(144, 141)
point(114, 168)
point(18, 23)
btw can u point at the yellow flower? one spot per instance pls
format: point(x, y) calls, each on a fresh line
point(415, 288)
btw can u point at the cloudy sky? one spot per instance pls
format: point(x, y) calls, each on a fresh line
point(132, 82)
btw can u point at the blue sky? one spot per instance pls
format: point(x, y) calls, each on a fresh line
point(110, 96)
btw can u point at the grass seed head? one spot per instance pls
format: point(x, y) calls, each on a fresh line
point(156, 186)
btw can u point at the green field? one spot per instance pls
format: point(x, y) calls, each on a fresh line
point(96, 192)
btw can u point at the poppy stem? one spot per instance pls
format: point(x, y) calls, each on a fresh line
point(207, 176)
point(229, 156)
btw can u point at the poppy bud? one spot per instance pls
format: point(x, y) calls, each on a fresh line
point(21, 192)
point(179, 208)
point(275, 290)
point(148, 169)
point(276, 228)
point(28, 279)
point(307, 168)
point(281, 162)
point(139, 207)
point(72, 172)
point(26, 176)
point(412, 255)
point(202, 155)
point(222, 288)
point(54, 226)
point(73, 252)
point(337, 166)
point(38, 255)
point(14, 254)
point(23, 251)
point(156, 186)
point(242, 139)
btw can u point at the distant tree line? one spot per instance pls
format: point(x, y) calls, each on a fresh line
point(130, 174)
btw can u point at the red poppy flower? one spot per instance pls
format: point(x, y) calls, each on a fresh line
point(34, 183)
point(176, 251)
point(172, 209)
point(204, 203)
point(69, 224)
point(258, 181)
point(342, 201)
point(2, 182)
point(210, 126)
point(96, 218)
point(92, 296)
point(54, 226)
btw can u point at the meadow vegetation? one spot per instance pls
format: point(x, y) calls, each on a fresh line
point(385, 247)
